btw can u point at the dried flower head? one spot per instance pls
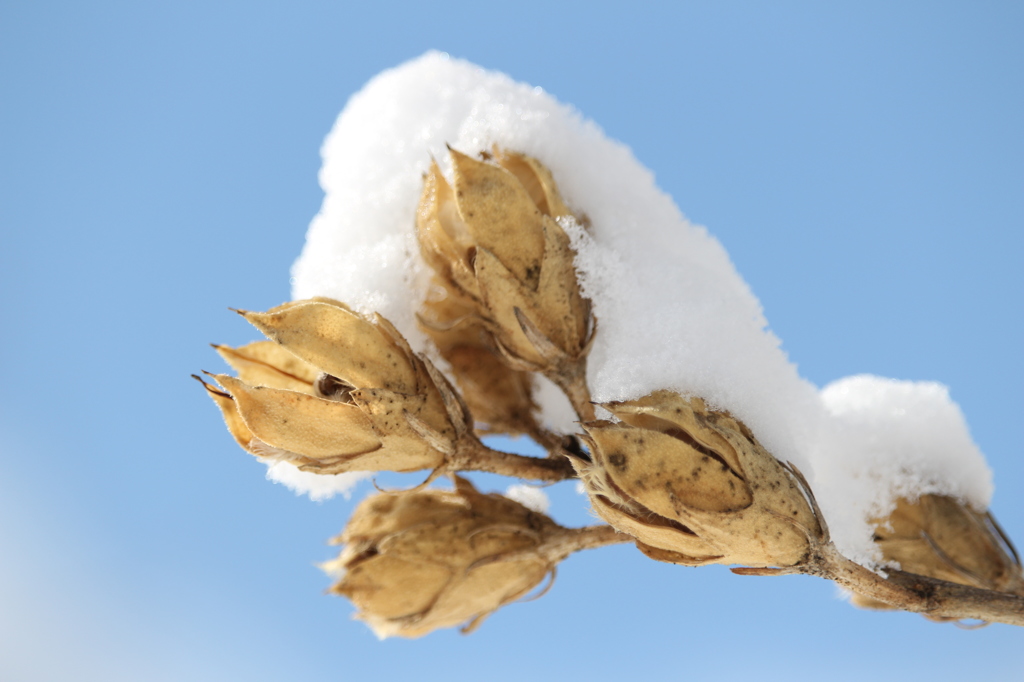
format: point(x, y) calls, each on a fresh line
point(694, 486)
point(420, 561)
point(493, 241)
point(336, 391)
point(498, 396)
point(941, 537)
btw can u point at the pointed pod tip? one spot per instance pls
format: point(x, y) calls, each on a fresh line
point(432, 169)
point(218, 377)
point(458, 158)
point(210, 388)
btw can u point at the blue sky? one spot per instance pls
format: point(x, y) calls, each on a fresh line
point(862, 163)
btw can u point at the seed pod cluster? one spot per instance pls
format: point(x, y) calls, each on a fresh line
point(493, 242)
point(333, 391)
point(336, 391)
point(420, 561)
point(940, 537)
point(694, 486)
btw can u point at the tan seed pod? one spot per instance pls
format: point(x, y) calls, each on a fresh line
point(232, 419)
point(694, 486)
point(492, 239)
point(445, 241)
point(417, 562)
point(941, 537)
point(265, 363)
point(498, 396)
point(536, 179)
point(313, 428)
point(342, 343)
point(336, 392)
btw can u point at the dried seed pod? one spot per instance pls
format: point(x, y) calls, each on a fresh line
point(498, 396)
point(492, 239)
point(265, 363)
point(337, 392)
point(536, 179)
point(694, 486)
point(416, 562)
point(366, 353)
point(940, 537)
point(261, 363)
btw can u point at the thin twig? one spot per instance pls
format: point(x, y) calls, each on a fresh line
point(936, 599)
point(472, 455)
point(571, 378)
point(566, 541)
point(932, 598)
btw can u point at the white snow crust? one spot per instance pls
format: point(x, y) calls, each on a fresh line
point(673, 312)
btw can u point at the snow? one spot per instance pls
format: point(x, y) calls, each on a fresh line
point(651, 274)
point(530, 496)
point(892, 439)
point(318, 487)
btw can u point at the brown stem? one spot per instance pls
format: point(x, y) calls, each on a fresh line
point(935, 599)
point(566, 541)
point(473, 455)
point(571, 377)
point(553, 442)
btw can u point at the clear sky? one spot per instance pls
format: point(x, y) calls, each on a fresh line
point(863, 165)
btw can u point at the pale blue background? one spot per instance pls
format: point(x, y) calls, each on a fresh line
point(863, 164)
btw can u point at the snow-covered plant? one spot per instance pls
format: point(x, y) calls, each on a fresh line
point(487, 262)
